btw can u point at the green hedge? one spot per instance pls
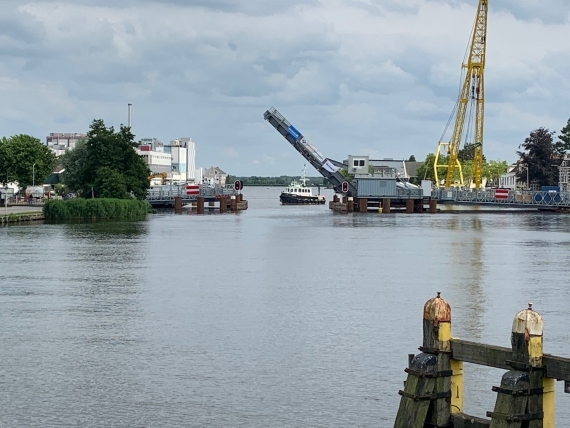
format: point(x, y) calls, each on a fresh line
point(102, 208)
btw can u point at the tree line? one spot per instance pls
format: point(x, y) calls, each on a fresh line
point(283, 180)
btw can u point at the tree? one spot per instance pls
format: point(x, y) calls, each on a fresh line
point(539, 155)
point(563, 143)
point(25, 160)
point(494, 169)
point(412, 158)
point(106, 164)
point(425, 170)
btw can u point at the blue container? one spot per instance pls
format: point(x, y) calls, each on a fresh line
point(550, 189)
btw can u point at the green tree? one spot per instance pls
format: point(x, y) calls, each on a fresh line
point(494, 169)
point(425, 170)
point(412, 158)
point(74, 164)
point(539, 155)
point(563, 143)
point(25, 160)
point(106, 164)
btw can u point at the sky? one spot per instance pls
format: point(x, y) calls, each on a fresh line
point(360, 77)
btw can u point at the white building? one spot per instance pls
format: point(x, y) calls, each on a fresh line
point(59, 143)
point(190, 160)
point(157, 161)
point(214, 175)
point(509, 180)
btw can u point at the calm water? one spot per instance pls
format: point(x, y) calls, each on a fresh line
point(277, 316)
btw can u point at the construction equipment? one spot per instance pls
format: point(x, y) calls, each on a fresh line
point(161, 175)
point(469, 108)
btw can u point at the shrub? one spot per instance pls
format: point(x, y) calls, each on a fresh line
point(99, 208)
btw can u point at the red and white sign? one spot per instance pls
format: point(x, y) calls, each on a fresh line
point(192, 189)
point(501, 193)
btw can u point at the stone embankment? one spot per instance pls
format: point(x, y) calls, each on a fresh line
point(21, 217)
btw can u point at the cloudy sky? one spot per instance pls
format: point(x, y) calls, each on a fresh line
point(377, 77)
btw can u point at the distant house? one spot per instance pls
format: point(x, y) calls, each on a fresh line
point(509, 180)
point(214, 175)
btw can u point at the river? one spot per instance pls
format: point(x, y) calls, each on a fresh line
point(279, 316)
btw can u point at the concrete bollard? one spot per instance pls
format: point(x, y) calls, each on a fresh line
point(410, 206)
point(386, 205)
point(200, 205)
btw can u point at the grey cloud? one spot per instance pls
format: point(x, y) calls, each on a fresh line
point(547, 11)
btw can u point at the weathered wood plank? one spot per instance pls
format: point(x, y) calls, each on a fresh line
point(557, 367)
point(461, 420)
point(496, 356)
point(479, 353)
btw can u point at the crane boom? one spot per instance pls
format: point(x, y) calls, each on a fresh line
point(471, 93)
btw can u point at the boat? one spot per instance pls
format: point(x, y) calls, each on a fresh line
point(298, 193)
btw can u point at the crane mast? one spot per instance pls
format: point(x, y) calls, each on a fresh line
point(471, 95)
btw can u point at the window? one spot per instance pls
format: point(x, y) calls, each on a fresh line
point(362, 162)
point(355, 162)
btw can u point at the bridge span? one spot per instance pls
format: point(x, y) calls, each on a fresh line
point(504, 198)
point(164, 196)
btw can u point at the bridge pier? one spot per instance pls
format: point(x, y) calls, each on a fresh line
point(433, 206)
point(233, 204)
point(223, 205)
point(386, 202)
point(200, 205)
point(178, 205)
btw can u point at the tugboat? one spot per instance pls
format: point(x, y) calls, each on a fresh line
point(297, 193)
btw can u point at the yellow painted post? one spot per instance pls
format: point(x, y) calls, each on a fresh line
point(549, 402)
point(457, 386)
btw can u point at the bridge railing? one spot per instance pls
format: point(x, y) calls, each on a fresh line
point(513, 197)
point(165, 193)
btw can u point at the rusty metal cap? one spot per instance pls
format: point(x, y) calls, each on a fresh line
point(437, 310)
point(528, 322)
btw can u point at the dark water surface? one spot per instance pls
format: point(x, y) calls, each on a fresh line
point(274, 317)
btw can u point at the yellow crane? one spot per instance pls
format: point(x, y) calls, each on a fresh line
point(470, 108)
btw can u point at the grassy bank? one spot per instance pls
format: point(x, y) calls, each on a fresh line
point(80, 208)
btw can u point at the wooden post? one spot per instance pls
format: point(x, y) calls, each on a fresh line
point(240, 196)
point(200, 205)
point(233, 204)
point(363, 205)
point(428, 386)
point(178, 205)
point(526, 341)
point(335, 198)
point(386, 206)
point(410, 206)
point(437, 336)
point(514, 407)
point(350, 204)
point(433, 206)
point(223, 205)
point(345, 199)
